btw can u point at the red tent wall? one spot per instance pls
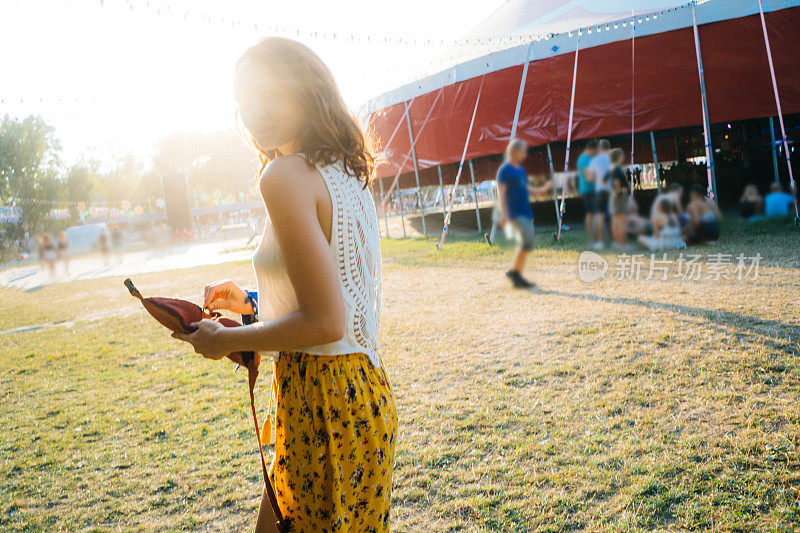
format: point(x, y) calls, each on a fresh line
point(667, 92)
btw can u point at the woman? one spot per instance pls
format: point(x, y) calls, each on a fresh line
point(319, 277)
point(618, 200)
point(62, 248)
point(666, 229)
point(49, 254)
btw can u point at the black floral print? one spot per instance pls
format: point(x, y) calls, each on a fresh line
point(335, 429)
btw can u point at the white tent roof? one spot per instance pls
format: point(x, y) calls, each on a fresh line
point(538, 29)
point(532, 18)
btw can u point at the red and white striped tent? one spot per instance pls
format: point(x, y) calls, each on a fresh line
point(658, 88)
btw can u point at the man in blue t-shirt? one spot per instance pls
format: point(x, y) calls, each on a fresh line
point(515, 207)
point(586, 186)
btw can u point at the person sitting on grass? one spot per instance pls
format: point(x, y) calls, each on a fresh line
point(618, 200)
point(513, 199)
point(636, 224)
point(674, 194)
point(777, 203)
point(751, 204)
point(666, 229)
point(704, 218)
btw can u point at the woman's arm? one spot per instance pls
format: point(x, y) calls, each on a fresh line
point(293, 193)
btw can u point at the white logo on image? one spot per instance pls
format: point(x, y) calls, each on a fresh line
point(591, 266)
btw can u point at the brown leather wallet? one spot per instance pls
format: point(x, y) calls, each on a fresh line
point(178, 316)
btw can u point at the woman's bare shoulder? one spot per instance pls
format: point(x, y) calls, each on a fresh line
point(288, 175)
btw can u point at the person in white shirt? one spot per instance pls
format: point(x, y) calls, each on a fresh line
point(318, 269)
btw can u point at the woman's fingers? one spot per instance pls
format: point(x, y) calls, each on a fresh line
point(216, 291)
point(180, 335)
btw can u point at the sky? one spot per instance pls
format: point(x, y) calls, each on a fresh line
point(114, 76)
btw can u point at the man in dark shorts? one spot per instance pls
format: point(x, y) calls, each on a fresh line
point(513, 200)
point(598, 170)
point(586, 186)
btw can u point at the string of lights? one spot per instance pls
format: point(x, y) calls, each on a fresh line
point(389, 40)
point(15, 200)
point(459, 50)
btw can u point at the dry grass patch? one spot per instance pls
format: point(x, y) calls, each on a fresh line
point(615, 406)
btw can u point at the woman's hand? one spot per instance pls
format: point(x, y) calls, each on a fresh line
point(226, 295)
point(207, 340)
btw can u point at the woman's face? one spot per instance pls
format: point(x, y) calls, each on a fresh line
point(268, 109)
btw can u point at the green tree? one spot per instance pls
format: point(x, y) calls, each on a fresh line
point(79, 185)
point(29, 171)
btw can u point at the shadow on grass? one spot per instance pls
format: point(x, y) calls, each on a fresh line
point(725, 318)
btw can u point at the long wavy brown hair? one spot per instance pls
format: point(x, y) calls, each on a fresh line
point(330, 132)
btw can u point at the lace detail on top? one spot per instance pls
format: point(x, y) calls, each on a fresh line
point(355, 245)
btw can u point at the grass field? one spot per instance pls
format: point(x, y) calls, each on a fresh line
point(618, 405)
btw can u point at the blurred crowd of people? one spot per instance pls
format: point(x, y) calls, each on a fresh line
point(604, 186)
point(52, 250)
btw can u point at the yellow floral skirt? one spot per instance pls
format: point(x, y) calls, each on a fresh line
point(335, 431)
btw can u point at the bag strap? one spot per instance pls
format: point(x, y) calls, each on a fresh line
point(282, 525)
point(252, 375)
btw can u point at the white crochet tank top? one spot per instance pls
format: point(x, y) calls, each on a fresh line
point(355, 245)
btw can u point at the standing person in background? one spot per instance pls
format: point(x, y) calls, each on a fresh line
point(513, 199)
point(49, 254)
point(586, 186)
point(598, 170)
point(62, 248)
point(117, 238)
point(104, 242)
point(618, 201)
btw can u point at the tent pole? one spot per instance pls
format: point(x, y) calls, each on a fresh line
point(521, 90)
point(774, 150)
point(383, 208)
point(553, 178)
point(399, 122)
point(408, 154)
point(475, 192)
point(441, 189)
point(633, 91)
point(560, 211)
point(655, 161)
point(416, 170)
point(460, 166)
point(780, 112)
point(712, 180)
